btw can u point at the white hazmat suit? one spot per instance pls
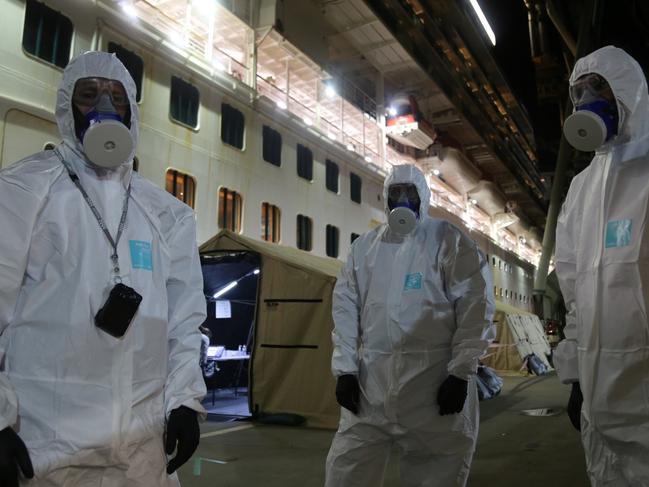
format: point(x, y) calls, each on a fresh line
point(408, 312)
point(602, 262)
point(91, 408)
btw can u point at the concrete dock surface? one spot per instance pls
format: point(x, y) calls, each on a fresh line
point(514, 449)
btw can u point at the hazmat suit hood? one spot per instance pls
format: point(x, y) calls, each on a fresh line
point(627, 81)
point(408, 173)
point(93, 64)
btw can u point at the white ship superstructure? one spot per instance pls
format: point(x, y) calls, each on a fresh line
point(253, 133)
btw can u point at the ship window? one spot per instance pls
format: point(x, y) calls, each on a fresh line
point(184, 102)
point(270, 222)
point(230, 210)
point(49, 146)
point(500, 264)
point(332, 176)
point(232, 126)
point(494, 261)
point(272, 146)
point(332, 241)
point(354, 237)
point(47, 34)
point(304, 162)
point(136, 164)
point(355, 182)
point(501, 292)
point(506, 293)
point(181, 185)
point(133, 63)
point(304, 232)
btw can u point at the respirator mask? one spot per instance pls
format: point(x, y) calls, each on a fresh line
point(103, 132)
point(404, 204)
point(596, 118)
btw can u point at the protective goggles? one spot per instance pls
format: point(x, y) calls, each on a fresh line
point(88, 91)
point(408, 191)
point(588, 87)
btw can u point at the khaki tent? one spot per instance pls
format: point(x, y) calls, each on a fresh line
point(518, 333)
point(290, 369)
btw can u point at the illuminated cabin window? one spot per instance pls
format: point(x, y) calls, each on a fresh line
point(354, 236)
point(230, 210)
point(272, 146)
point(184, 102)
point(333, 236)
point(355, 184)
point(233, 125)
point(332, 172)
point(270, 222)
point(304, 232)
point(181, 185)
point(133, 63)
point(47, 34)
point(304, 162)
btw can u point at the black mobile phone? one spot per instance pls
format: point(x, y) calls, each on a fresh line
point(116, 314)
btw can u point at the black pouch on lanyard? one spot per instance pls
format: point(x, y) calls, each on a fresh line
point(118, 311)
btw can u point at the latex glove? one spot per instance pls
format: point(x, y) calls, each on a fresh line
point(451, 395)
point(183, 430)
point(13, 454)
point(574, 406)
point(348, 392)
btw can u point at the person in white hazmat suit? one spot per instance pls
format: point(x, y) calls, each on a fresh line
point(411, 312)
point(99, 309)
point(602, 262)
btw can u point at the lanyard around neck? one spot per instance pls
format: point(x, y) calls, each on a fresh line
point(122, 222)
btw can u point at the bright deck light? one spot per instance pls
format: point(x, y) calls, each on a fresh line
point(129, 9)
point(484, 21)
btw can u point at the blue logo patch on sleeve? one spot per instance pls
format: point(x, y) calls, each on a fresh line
point(413, 281)
point(618, 233)
point(141, 255)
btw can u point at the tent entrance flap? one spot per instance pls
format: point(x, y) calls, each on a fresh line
point(290, 363)
point(230, 285)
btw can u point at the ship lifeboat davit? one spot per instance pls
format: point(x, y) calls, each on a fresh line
point(406, 125)
point(489, 197)
point(458, 172)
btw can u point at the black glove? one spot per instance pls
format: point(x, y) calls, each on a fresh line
point(13, 454)
point(182, 427)
point(451, 395)
point(574, 406)
point(348, 392)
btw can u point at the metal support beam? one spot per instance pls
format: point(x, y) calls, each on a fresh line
point(588, 30)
